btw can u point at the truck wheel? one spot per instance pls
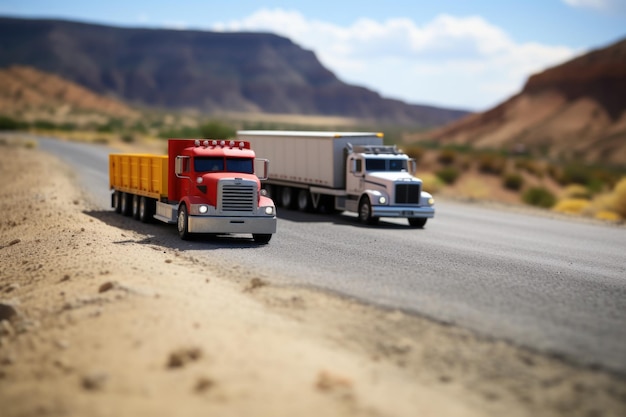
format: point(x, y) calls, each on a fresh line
point(117, 201)
point(417, 222)
point(183, 222)
point(135, 212)
point(261, 238)
point(286, 197)
point(365, 212)
point(146, 209)
point(304, 200)
point(126, 204)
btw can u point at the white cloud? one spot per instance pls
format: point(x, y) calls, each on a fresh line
point(450, 61)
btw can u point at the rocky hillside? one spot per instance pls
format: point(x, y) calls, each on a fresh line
point(25, 90)
point(576, 110)
point(208, 71)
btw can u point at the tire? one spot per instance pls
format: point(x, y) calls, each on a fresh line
point(126, 204)
point(147, 208)
point(117, 201)
point(261, 238)
point(286, 197)
point(135, 211)
point(304, 200)
point(365, 212)
point(183, 222)
point(417, 222)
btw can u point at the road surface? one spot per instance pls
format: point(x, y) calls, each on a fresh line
point(552, 284)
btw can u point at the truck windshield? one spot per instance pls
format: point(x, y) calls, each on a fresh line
point(214, 164)
point(385, 164)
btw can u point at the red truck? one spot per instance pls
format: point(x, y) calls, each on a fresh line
point(202, 186)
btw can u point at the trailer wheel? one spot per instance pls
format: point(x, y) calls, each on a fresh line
point(147, 208)
point(126, 203)
point(261, 238)
point(286, 197)
point(365, 212)
point(135, 212)
point(117, 201)
point(304, 200)
point(417, 222)
point(183, 222)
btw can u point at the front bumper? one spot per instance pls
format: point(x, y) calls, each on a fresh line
point(254, 225)
point(403, 211)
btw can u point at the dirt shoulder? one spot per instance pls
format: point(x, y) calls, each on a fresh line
point(100, 320)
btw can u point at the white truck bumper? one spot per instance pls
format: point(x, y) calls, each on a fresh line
point(255, 225)
point(403, 211)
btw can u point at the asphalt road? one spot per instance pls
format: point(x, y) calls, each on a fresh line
point(552, 284)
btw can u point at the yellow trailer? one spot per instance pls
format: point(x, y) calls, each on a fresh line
point(134, 176)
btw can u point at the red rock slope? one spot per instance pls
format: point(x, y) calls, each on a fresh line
point(575, 110)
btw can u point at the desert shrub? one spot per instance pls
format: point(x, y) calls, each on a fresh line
point(415, 152)
point(128, 138)
point(8, 123)
point(513, 181)
point(490, 163)
point(431, 183)
point(532, 167)
point(216, 130)
point(571, 206)
point(607, 215)
point(44, 125)
point(448, 175)
point(576, 191)
point(575, 174)
point(447, 156)
point(619, 198)
point(539, 196)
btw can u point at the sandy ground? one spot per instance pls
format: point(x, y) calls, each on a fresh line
point(98, 320)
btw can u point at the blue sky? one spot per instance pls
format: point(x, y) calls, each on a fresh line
point(469, 54)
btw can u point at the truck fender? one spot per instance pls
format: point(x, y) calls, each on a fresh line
point(374, 196)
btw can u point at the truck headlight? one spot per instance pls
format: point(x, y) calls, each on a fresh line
point(269, 210)
point(431, 201)
point(203, 209)
point(382, 200)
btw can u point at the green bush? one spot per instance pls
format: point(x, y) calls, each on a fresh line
point(513, 181)
point(448, 175)
point(447, 156)
point(539, 196)
point(8, 123)
point(216, 130)
point(490, 163)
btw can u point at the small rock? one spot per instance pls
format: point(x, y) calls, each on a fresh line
point(107, 286)
point(7, 310)
point(255, 283)
point(94, 381)
point(327, 381)
point(181, 357)
point(203, 384)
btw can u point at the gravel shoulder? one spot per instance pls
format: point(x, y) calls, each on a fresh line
point(101, 320)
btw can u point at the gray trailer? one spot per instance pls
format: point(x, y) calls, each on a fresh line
point(345, 171)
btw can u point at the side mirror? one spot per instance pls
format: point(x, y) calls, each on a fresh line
point(412, 167)
point(178, 166)
point(265, 168)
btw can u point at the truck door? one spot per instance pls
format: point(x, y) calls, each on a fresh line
point(354, 176)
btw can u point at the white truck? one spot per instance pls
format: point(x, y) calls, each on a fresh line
point(342, 171)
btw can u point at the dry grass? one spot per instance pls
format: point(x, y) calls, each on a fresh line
point(571, 206)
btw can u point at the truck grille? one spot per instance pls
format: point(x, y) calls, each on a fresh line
point(408, 193)
point(238, 197)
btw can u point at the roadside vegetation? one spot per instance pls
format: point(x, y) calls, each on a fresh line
point(562, 186)
point(453, 171)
